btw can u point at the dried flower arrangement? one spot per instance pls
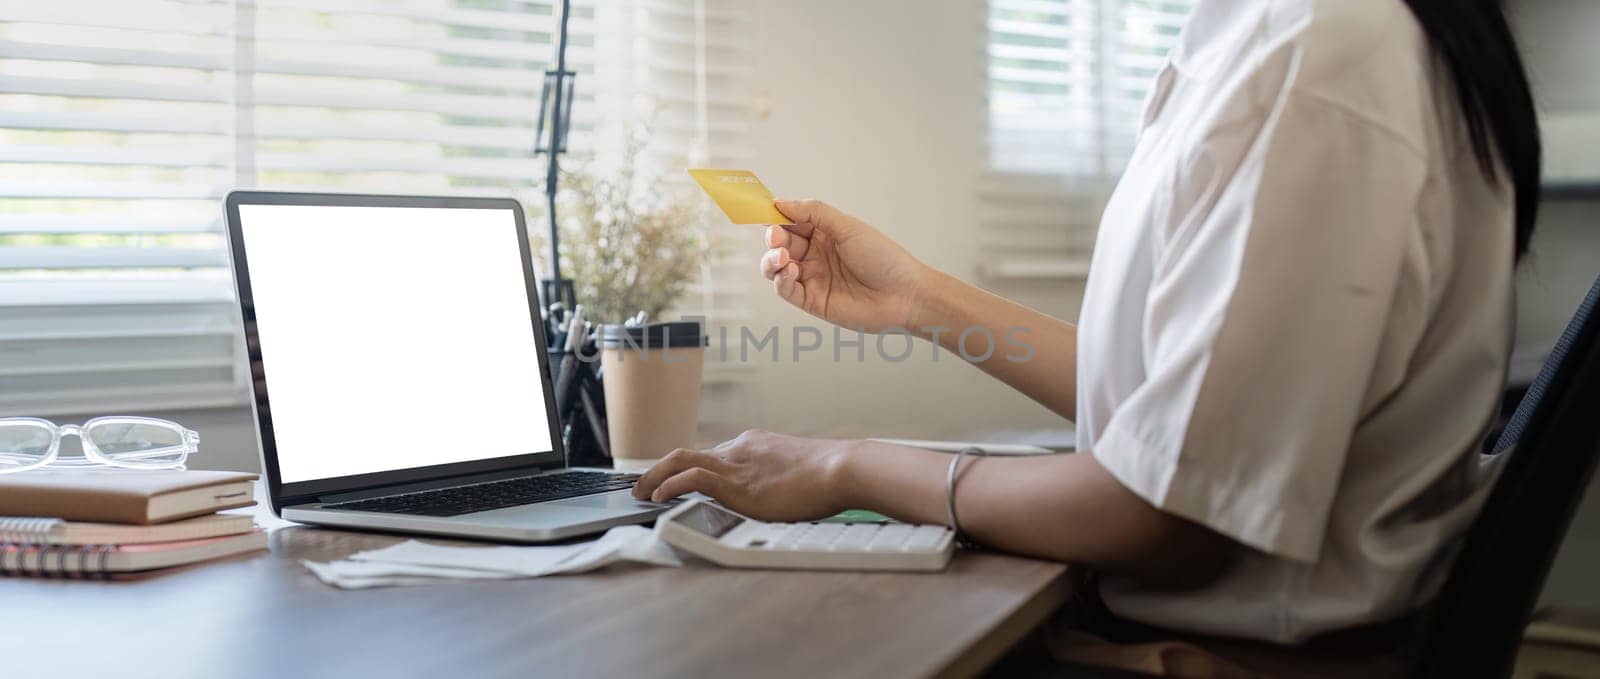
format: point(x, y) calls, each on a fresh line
point(630, 240)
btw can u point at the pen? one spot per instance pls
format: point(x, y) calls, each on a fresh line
point(567, 379)
point(555, 321)
point(576, 329)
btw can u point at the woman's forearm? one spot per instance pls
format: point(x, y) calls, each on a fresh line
point(1059, 507)
point(1034, 353)
point(1053, 506)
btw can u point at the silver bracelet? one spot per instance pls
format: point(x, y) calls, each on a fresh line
point(950, 486)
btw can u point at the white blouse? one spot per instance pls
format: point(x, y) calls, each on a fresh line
point(1298, 318)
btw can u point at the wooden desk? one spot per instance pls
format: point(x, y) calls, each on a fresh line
point(266, 616)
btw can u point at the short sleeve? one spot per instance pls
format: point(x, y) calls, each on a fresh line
point(1267, 308)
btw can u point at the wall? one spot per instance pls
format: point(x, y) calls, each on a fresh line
point(1557, 38)
point(1558, 43)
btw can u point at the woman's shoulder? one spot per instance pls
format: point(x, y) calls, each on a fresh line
point(1367, 57)
point(1326, 35)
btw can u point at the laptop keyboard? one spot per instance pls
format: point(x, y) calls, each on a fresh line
point(482, 497)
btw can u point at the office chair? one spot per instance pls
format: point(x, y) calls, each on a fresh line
point(1475, 625)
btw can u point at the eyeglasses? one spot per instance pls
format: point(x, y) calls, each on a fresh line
point(118, 441)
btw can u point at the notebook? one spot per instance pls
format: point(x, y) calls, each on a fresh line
point(122, 495)
point(40, 531)
point(112, 560)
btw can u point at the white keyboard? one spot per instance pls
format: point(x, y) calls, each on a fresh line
point(724, 537)
point(847, 537)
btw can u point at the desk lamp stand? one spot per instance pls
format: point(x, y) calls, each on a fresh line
point(580, 398)
point(555, 115)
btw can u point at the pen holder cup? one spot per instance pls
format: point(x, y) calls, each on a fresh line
point(652, 389)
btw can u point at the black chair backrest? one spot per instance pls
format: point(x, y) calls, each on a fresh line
point(1475, 626)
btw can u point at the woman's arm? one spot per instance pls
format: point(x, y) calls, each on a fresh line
point(842, 270)
point(1035, 353)
point(1058, 507)
point(1062, 507)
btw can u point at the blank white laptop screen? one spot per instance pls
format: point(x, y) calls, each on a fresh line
point(393, 337)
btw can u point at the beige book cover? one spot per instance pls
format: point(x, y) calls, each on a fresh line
point(123, 495)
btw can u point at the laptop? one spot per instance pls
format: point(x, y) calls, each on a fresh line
point(400, 374)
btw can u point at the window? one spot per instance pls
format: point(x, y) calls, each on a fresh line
point(1066, 83)
point(122, 124)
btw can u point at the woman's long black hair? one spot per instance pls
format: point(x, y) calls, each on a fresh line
point(1475, 44)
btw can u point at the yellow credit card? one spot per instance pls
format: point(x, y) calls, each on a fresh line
point(740, 195)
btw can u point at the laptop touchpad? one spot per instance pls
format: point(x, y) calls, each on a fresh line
point(614, 501)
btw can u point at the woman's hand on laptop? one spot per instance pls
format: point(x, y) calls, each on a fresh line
point(841, 269)
point(765, 476)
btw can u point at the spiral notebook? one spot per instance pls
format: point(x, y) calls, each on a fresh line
point(43, 531)
point(119, 561)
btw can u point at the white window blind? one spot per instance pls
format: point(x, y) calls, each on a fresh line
point(1066, 83)
point(692, 78)
point(115, 144)
point(410, 96)
point(123, 122)
point(688, 77)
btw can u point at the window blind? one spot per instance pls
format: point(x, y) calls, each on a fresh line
point(687, 79)
point(123, 123)
point(115, 144)
point(1066, 83)
point(409, 96)
point(692, 84)
point(694, 90)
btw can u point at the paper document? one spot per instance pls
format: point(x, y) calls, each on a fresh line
point(417, 563)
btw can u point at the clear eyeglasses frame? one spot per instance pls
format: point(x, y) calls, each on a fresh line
point(121, 441)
